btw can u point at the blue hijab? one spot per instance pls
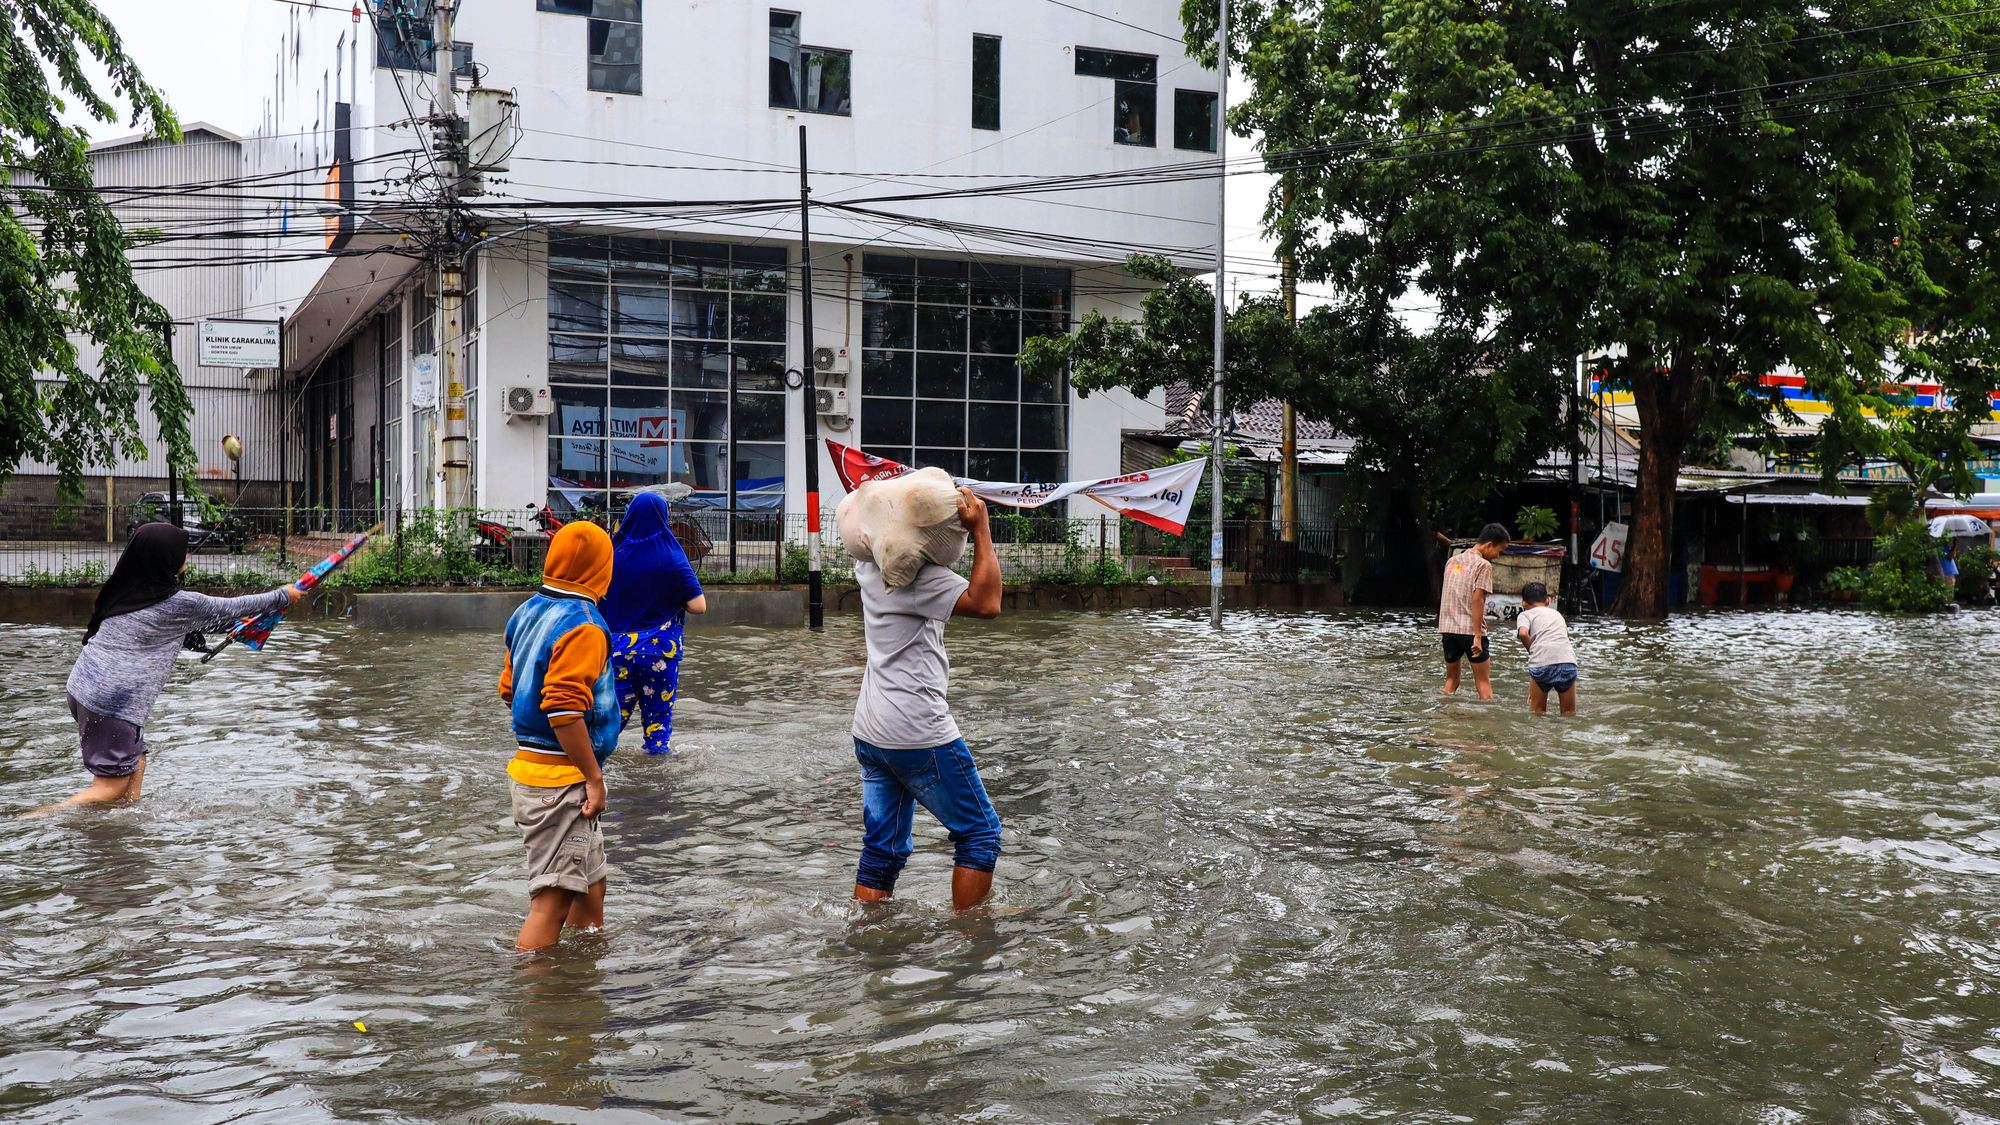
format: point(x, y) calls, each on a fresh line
point(652, 580)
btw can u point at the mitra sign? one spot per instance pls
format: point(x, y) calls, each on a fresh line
point(240, 343)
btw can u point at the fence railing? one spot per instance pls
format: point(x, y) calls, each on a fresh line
point(48, 545)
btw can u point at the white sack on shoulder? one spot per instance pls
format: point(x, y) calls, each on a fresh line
point(903, 523)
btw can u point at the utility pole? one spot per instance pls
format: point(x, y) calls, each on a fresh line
point(808, 387)
point(451, 275)
point(1221, 248)
point(1575, 486)
point(1288, 448)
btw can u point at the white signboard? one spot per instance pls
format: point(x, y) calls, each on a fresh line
point(646, 437)
point(241, 343)
point(1608, 553)
point(424, 382)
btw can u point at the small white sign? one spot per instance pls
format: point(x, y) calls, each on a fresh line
point(1608, 553)
point(241, 343)
point(424, 382)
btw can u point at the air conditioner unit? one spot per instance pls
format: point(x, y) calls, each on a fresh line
point(830, 401)
point(830, 361)
point(529, 402)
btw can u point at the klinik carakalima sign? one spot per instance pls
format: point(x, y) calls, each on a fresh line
point(242, 343)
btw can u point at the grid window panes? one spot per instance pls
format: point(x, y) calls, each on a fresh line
point(939, 381)
point(648, 338)
point(616, 40)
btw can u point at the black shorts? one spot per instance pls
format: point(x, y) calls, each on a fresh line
point(1458, 646)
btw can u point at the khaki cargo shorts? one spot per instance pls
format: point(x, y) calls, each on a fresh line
point(565, 848)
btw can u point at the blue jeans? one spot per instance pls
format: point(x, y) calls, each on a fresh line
point(943, 780)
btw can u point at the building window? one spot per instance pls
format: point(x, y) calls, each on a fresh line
point(404, 41)
point(1194, 120)
point(939, 381)
point(616, 36)
point(809, 79)
point(1134, 93)
point(986, 82)
point(647, 338)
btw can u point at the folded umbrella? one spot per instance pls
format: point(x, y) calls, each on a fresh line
point(254, 631)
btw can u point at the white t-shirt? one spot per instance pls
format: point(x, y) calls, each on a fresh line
point(1548, 637)
point(902, 704)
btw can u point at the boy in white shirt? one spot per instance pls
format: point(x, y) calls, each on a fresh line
point(1551, 659)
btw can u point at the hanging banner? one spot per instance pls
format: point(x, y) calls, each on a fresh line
point(1159, 497)
point(424, 381)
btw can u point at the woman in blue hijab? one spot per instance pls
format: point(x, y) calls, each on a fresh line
point(652, 586)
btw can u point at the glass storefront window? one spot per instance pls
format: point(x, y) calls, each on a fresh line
point(646, 337)
point(939, 381)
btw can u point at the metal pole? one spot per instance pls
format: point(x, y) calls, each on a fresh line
point(451, 281)
point(1575, 483)
point(173, 470)
point(1288, 465)
point(284, 472)
point(731, 374)
point(1221, 266)
point(815, 611)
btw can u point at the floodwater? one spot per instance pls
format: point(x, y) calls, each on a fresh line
point(1263, 876)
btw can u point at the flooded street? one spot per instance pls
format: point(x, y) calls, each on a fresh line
point(1263, 876)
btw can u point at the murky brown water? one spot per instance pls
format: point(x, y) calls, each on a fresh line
point(1264, 876)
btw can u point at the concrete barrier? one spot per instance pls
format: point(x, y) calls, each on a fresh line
point(483, 609)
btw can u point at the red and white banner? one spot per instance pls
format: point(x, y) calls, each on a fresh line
point(1161, 497)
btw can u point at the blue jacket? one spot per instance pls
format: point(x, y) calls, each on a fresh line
point(533, 633)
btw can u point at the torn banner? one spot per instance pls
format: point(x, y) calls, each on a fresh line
point(1160, 497)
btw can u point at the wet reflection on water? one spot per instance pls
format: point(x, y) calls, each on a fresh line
point(1267, 875)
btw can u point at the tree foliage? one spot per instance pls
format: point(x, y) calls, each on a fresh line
point(1439, 419)
point(64, 273)
point(1707, 193)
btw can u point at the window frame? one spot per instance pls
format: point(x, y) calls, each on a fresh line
point(1137, 82)
point(1212, 125)
point(987, 101)
point(793, 57)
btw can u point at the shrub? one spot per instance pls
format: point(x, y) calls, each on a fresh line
point(1846, 579)
point(1901, 582)
point(1534, 523)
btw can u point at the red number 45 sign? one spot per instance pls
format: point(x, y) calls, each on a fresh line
point(1608, 553)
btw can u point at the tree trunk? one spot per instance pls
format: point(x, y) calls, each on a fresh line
point(1660, 399)
point(1424, 534)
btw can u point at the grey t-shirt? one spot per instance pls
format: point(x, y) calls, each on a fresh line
point(1548, 637)
point(902, 705)
point(123, 668)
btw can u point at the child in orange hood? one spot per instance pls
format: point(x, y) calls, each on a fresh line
point(558, 680)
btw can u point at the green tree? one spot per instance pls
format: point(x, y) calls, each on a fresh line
point(64, 273)
point(1705, 193)
point(1439, 419)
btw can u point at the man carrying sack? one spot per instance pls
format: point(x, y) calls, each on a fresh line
point(904, 535)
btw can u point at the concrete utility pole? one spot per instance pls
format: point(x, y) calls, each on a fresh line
point(451, 277)
point(1288, 449)
point(1221, 265)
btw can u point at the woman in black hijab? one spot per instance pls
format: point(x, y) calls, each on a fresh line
point(141, 620)
point(148, 573)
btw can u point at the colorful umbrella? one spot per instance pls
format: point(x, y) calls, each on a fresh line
point(254, 631)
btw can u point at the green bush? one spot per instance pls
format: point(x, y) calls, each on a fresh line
point(1535, 523)
point(430, 549)
point(1901, 582)
point(1975, 572)
point(1846, 579)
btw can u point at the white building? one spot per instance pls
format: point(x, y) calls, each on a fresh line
point(185, 196)
point(641, 253)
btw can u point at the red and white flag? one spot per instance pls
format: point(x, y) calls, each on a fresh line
point(1161, 497)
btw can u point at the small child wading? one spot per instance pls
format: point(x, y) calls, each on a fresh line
point(566, 722)
point(136, 632)
point(1468, 578)
point(909, 748)
point(1551, 659)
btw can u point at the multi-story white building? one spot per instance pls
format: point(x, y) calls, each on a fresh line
point(640, 258)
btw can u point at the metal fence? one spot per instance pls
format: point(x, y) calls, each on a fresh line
point(78, 545)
